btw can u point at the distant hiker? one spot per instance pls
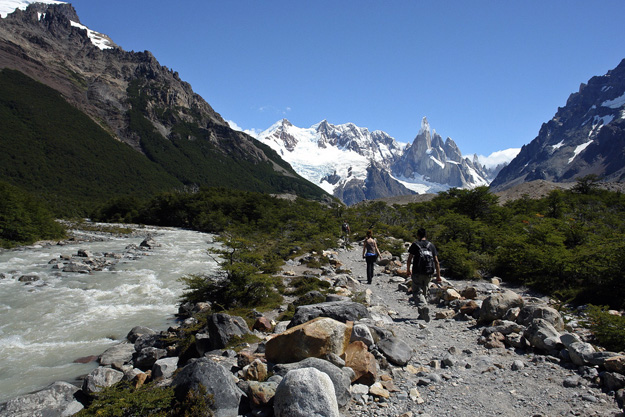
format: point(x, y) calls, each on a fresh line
point(370, 252)
point(346, 232)
point(425, 264)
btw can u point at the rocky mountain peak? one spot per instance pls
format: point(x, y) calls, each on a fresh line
point(586, 136)
point(130, 95)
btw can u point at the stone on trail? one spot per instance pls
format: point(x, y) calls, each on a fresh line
point(361, 332)
point(305, 392)
point(531, 312)
point(315, 338)
point(337, 310)
point(396, 350)
point(578, 352)
point(358, 357)
point(339, 378)
point(542, 335)
point(495, 306)
point(615, 364)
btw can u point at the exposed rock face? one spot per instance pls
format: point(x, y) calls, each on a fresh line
point(356, 164)
point(438, 162)
point(587, 136)
point(377, 184)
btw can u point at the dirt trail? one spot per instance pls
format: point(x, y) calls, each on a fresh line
point(455, 376)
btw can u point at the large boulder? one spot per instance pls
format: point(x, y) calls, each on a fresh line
point(222, 328)
point(542, 335)
point(339, 378)
point(315, 338)
point(101, 378)
point(358, 357)
point(497, 305)
point(137, 332)
point(396, 350)
point(531, 312)
point(216, 382)
point(342, 311)
point(146, 358)
point(56, 400)
point(615, 364)
point(579, 351)
point(119, 354)
point(305, 392)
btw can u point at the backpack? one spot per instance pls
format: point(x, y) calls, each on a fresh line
point(345, 227)
point(424, 264)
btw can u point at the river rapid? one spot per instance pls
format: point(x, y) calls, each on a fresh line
point(47, 324)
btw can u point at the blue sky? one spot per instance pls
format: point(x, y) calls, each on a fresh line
point(485, 73)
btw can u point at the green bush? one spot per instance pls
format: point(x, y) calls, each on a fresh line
point(123, 400)
point(608, 329)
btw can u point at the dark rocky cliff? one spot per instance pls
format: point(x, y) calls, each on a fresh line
point(587, 136)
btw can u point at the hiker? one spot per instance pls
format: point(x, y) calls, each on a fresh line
point(425, 264)
point(346, 231)
point(370, 252)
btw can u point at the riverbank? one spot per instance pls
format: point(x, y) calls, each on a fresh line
point(449, 366)
point(62, 302)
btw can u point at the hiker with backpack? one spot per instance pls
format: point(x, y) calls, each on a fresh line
point(370, 252)
point(425, 264)
point(346, 232)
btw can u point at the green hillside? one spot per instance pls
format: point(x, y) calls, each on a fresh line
point(191, 155)
point(52, 150)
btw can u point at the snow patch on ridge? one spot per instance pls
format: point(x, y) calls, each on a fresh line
point(9, 6)
point(579, 149)
point(617, 103)
point(98, 39)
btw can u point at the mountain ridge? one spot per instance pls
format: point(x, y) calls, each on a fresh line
point(140, 103)
point(355, 164)
point(585, 137)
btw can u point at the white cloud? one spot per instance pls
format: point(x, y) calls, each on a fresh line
point(499, 157)
point(252, 132)
point(274, 110)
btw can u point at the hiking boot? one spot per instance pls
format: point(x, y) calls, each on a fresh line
point(424, 314)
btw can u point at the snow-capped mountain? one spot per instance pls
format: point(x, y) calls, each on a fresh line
point(587, 136)
point(355, 164)
point(438, 163)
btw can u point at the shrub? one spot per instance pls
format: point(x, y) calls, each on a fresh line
point(123, 400)
point(608, 329)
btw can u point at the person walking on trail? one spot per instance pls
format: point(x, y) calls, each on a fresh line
point(425, 264)
point(346, 232)
point(370, 252)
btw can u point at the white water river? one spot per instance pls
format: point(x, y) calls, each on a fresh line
point(47, 324)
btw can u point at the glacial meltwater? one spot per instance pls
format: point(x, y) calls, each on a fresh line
point(46, 324)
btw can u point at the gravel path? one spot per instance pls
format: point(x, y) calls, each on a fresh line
point(452, 375)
